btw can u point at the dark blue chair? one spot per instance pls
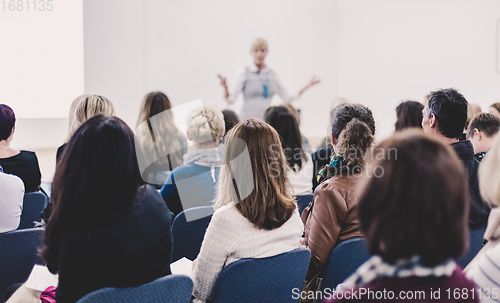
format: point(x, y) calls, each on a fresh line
point(33, 205)
point(343, 261)
point(475, 244)
point(18, 255)
point(168, 289)
point(269, 280)
point(188, 231)
point(303, 202)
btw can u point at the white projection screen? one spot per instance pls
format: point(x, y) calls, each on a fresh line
point(41, 56)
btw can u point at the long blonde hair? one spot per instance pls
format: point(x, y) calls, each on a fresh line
point(91, 106)
point(271, 203)
point(71, 115)
point(153, 104)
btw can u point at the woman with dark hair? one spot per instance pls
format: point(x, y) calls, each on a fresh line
point(100, 233)
point(413, 211)
point(262, 220)
point(230, 119)
point(332, 216)
point(299, 162)
point(409, 114)
point(21, 163)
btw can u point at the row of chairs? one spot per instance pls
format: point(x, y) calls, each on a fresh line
point(33, 205)
point(188, 234)
point(18, 252)
point(270, 280)
point(247, 280)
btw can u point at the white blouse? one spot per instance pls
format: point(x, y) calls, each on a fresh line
point(11, 201)
point(258, 89)
point(301, 180)
point(230, 237)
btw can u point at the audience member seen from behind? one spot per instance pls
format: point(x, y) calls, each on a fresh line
point(472, 111)
point(325, 151)
point(193, 183)
point(21, 163)
point(11, 201)
point(296, 113)
point(444, 117)
point(86, 108)
point(409, 114)
point(230, 119)
point(299, 162)
point(484, 269)
point(332, 217)
point(495, 109)
point(414, 218)
point(71, 117)
point(482, 132)
point(100, 233)
point(265, 223)
point(162, 134)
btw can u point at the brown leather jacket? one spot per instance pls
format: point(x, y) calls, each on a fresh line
point(330, 219)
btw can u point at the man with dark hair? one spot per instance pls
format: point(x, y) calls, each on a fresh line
point(444, 115)
point(482, 130)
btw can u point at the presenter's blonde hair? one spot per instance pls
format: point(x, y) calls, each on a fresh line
point(259, 43)
point(489, 176)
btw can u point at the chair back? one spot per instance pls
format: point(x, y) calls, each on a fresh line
point(168, 289)
point(343, 261)
point(475, 244)
point(269, 280)
point(188, 230)
point(33, 205)
point(303, 202)
point(18, 255)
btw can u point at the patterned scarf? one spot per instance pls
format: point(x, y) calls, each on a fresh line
point(337, 165)
point(375, 268)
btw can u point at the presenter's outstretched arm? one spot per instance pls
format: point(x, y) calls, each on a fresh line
point(311, 83)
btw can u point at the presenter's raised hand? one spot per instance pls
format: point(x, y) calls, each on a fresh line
point(223, 82)
point(311, 83)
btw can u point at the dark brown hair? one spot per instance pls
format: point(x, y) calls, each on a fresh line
point(270, 204)
point(230, 119)
point(287, 126)
point(409, 114)
point(415, 202)
point(487, 123)
point(354, 130)
point(95, 181)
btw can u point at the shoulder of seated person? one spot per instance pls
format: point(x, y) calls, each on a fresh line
point(28, 153)
point(147, 190)
point(12, 178)
point(339, 183)
point(227, 209)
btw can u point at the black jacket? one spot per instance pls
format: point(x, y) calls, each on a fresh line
point(135, 250)
point(320, 158)
point(479, 210)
